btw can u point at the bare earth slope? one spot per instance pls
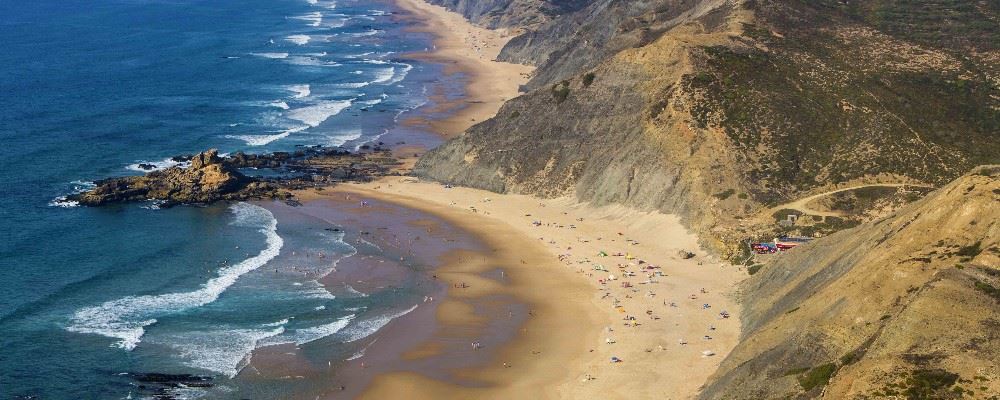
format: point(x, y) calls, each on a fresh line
point(907, 305)
point(718, 110)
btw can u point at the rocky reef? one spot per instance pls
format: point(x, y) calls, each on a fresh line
point(208, 177)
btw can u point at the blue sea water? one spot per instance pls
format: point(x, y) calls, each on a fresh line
point(91, 89)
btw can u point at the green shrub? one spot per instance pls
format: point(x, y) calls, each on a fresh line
point(929, 383)
point(754, 268)
point(988, 289)
point(971, 250)
point(818, 376)
point(560, 92)
point(783, 214)
point(795, 371)
point(724, 194)
point(588, 79)
point(849, 358)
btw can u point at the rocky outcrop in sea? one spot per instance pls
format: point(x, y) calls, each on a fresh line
point(210, 177)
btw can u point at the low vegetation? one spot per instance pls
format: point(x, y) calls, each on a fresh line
point(988, 289)
point(931, 384)
point(724, 194)
point(818, 376)
point(970, 250)
point(560, 91)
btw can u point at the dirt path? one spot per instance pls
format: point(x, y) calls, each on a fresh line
point(801, 204)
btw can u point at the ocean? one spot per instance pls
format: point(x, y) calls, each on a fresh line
point(95, 300)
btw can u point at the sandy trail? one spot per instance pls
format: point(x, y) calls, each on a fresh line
point(801, 205)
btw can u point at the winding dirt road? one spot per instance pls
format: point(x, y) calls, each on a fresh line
point(800, 204)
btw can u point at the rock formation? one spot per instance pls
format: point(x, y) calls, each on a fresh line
point(210, 178)
point(206, 180)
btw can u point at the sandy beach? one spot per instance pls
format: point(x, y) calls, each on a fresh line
point(614, 309)
point(471, 51)
point(660, 314)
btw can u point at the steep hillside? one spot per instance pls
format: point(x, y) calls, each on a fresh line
point(719, 110)
point(908, 306)
point(585, 38)
point(510, 13)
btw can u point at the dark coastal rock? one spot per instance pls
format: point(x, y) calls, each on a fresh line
point(207, 180)
point(210, 177)
point(161, 386)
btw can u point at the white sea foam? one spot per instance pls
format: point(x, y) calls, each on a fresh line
point(261, 140)
point(351, 85)
point(361, 353)
point(343, 137)
point(336, 23)
point(370, 32)
point(154, 204)
point(400, 74)
point(278, 323)
point(77, 187)
point(300, 91)
point(315, 114)
point(271, 55)
point(318, 291)
point(352, 290)
point(63, 202)
point(383, 75)
point(157, 165)
point(127, 318)
point(370, 244)
point(314, 18)
point(312, 334)
point(368, 327)
point(279, 104)
point(311, 62)
point(298, 39)
point(225, 351)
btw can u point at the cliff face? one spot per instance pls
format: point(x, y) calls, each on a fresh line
point(717, 110)
point(510, 13)
point(584, 39)
point(908, 305)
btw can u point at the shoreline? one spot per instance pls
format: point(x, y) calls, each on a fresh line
point(657, 324)
point(471, 51)
point(582, 311)
point(467, 53)
point(521, 366)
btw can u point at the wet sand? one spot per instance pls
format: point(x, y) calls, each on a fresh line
point(406, 253)
point(592, 283)
point(660, 314)
point(468, 54)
